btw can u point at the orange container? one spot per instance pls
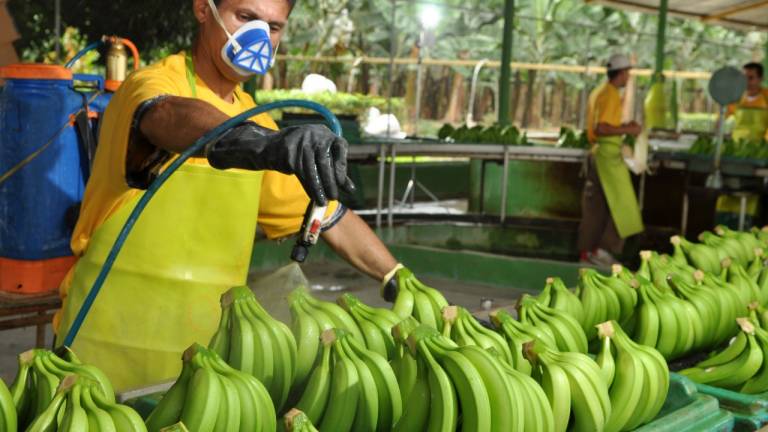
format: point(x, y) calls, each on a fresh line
point(33, 277)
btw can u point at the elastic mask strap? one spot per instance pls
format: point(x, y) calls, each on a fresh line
point(218, 19)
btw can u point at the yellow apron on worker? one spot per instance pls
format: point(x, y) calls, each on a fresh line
point(191, 244)
point(750, 124)
point(617, 186)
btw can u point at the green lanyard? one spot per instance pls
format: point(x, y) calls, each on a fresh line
point(191, 76)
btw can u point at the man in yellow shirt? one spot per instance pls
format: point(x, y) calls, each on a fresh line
point(610, 212)
point(194, 240)
point(751, 113)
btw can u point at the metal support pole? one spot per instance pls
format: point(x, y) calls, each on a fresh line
point(392, 55)
point(504, 186)
point(506, 61)
point(661, 38)
point(382, 172)
point(392, 169)
point(419, 83)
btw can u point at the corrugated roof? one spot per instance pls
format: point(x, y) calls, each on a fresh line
point(751, 14)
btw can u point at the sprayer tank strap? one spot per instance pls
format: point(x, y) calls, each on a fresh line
point(191, 79)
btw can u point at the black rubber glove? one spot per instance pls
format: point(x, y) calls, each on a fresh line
point(312, 152)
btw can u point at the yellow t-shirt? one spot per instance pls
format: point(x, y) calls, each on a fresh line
point(604, 107)
point(759, 101)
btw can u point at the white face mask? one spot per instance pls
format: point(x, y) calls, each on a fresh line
point(249, 51)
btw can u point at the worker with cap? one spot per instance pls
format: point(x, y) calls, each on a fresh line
point(750, 114)
point(194, 240)
point(610, 211)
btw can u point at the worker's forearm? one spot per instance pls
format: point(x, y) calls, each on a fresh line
point(604, 129)
point(353, 240)
point(175, 123)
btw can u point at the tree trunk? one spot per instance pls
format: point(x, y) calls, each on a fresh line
point(458, 99)
point(529, 99)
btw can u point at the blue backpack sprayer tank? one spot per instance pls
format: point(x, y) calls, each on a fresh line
point(48, 126)
point(25, 163)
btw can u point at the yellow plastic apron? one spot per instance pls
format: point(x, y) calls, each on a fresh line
point(617, 185)
point(750, 124)
point(192, 243)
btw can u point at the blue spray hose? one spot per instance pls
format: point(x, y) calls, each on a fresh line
point(90, 47)
point(211, 136)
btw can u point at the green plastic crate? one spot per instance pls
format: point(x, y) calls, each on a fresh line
point(750, 411)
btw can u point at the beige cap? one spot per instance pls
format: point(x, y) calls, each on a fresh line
point(618, 62)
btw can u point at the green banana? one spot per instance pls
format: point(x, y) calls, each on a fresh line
point(344, 396)
point(758, 383)
point(75, 419)
point(389, 398)
point(8, 419)
point(506, 406)
point(443, 403)
point(315, 396)
point(307, 335)
point(605, 359)
point(98, 419)
point(734, 373)
point(47, 421)
point(414, 416)
point(168, 410)
point(201, 405)
point(338, 316)
point(124, 417)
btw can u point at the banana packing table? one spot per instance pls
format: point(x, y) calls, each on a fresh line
point(20, 311)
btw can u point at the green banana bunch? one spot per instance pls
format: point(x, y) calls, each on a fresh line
point(537, 413)
point(640, 382)
point(461, 327)
point(727, 247)
point(759, 382)
point(557, 296)
point(566, 331)
point(735, 365)
point(309, 318)
point(671, 325)
point(732, 305)
point(297, 421)
point(603, 298)
point(375, 324)
point(575, 387)
point(40, 373)
point(8, 417)
point(468, 379)
point(418, 300)
point(252, 341)
point(717, 309)
point(701, 256)
point(760, 314)
point(748, 242)
point(518, 334)
point(352, 388)
point(210, 395)
point(79, 406)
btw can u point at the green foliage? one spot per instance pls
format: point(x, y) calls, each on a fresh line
point(339, 103)
point(706, 145)
point(495, 134)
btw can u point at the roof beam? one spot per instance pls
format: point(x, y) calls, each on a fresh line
point(734, 10)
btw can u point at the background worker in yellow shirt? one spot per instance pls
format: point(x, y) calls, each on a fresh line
point(610, 212)
point(194, 240)
point(751, 113)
